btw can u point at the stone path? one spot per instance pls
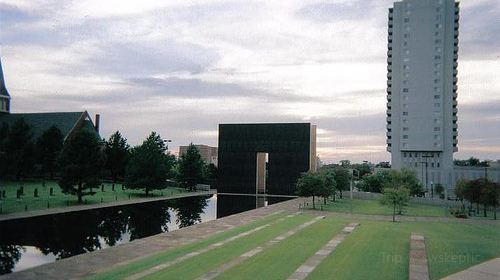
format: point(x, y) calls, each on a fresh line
point(68, 209)
point(418, 258)
point(91, 263)
point(204, 250)
point(303, 271)
point(483, 271)
point(216, 272)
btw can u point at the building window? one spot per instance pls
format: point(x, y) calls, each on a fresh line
point(437, 57)
point(437, 105)
point(437, 41)
point(437, 81)
point(437, 128)
point(437, 96)
point(405, 136)
point(405, 113)
point(432, 164)
point(405, 128)
point(437, 164)
point(405, 90)
point(436, 137)
point(406, 19)
point(405, 145)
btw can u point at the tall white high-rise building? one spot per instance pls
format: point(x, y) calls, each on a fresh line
point(422, 88)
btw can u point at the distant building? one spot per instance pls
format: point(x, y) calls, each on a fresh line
point(208, 153)
point(422, 88)
point(67, 122)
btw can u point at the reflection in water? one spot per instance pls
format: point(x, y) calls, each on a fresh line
point(187, 210)
point(232, 204)
point(9, 255)
point(26, 243)
point(64, 235)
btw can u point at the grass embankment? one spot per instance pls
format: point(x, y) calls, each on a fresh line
point(281, 260)
point(375, 250)
point(379, 250)
point(203, 263)
point(373, 207)
point(29, 202)
point(156, 259)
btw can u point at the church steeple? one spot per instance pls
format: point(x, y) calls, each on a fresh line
point(4, 94)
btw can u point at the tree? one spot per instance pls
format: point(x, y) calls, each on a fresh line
point(117, 154)
point(49, 146)
point(4, 135)
point(19, 148)
point(81, 163)
point(210, 174)
point(330, 185)
point(439, 190)
point(408, 177)
point(395, 197)
point(460, 191)
point(345, 163)
point(374, 182)
point(362, 168)
point(473, 193)
point(343, 179)
point(191, 167)
point(310, 184)
point(490, 195)
point(149, 165)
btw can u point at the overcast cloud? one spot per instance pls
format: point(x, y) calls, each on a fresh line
point(181, 67)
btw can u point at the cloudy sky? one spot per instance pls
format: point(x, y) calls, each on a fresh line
point(181, 67)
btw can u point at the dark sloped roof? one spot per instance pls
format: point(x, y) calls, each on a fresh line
point(40, 122)
point(3, 89)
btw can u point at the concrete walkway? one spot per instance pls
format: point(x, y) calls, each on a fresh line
point(419, 269)
point(484, 271)
point(216, 272)
point(102, 260)
point(303, 271)
point(61, 210)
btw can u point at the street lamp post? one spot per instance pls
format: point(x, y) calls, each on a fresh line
point(166, 141)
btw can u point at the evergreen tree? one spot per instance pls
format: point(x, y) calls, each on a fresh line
point(149, 165)
point(191, 167)
point(19, 150)
point(49, 146)
point(81, 163)
point(117, 154)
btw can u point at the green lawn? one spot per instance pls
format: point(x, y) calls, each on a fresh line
point(373, 207)
point(297, 249)
point(203, 263)
point(156, 259)
point(11, 204)
point(379, 250)
point(375, 250)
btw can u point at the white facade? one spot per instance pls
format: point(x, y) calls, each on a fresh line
point(422, 88)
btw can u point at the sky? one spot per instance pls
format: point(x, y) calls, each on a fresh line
point(181, 67)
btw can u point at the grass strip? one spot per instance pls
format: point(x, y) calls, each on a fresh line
point(373, 251)
point(297, 249)
point(158, 258)
point(208, 261)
